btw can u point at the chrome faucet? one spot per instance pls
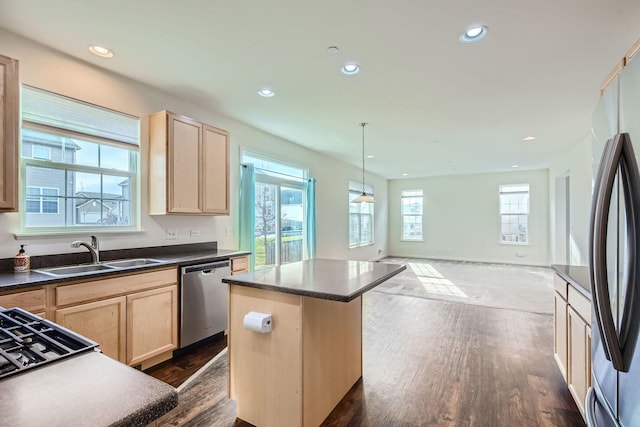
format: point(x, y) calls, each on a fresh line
point(94, 248)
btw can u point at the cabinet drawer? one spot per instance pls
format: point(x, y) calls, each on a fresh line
point(560, 285)
point(33, 300)
point(240, 265)
point(114, 286)
point(580, 304)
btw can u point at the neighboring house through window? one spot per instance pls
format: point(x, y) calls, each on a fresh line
point(79, 162)
point(360, 216)
point(411, 205)
point(514, 213)
point(42, 200)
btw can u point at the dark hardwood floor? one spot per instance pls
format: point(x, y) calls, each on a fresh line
point(177, 370)
point(426, 363)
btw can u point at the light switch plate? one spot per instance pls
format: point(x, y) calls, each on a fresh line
point(195, 233)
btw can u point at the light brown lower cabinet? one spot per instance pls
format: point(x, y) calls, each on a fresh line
point(572, 339)
point(102, 321)
point(152, 323)
point(579, 372)
point(133, 318)
point(33, 300)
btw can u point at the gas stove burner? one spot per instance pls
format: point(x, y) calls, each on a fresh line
point(28, 341)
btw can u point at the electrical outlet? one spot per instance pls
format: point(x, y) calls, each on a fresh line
point(195, 233)
point(228, 231)
point(172, 233)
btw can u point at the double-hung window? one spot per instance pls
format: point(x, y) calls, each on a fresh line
point(360, 216)
point(79, 165)
point(514, 213)
point(411, 205)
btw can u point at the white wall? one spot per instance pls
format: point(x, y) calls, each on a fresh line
point(575, 163)
point(56, 72)
point(461, 218)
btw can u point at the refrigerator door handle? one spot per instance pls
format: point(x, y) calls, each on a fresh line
point(628, 328)
point(597, 240)
point(600, 283)
point(590, 407)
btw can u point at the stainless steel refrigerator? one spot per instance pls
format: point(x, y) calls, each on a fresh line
point(614, 397)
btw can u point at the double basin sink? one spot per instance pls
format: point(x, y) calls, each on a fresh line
point(74, 270)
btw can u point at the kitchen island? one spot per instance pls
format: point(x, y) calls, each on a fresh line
point(297, 373)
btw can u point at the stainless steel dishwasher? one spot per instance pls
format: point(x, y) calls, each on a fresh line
point(204, 301)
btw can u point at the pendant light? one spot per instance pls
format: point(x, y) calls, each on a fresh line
point(364, 197)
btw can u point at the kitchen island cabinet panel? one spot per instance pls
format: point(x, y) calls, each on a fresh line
point(270, 361)
point(9, 123)
point(101, 321)
point(151, 323)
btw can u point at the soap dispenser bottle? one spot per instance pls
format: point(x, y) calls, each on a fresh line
point(22, 261)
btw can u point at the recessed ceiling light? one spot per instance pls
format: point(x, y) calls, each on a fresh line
point(266, 92)
point(405, 174)
point(474, 33)
point(528, 138)
point(370, 156)
point(332, 49)
point(100, 51)
point(350, 68)
point(515, 166)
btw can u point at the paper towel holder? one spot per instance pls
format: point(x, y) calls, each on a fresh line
point(258, 322)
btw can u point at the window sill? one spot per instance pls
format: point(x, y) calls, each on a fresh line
point(33, 235)
point(362, 245)
point(412, 240)
point(514, 243)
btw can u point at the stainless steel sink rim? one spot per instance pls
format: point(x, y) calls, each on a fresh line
point(84, 269)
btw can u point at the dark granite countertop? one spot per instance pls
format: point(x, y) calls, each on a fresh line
point(338, 280)
point(577, 275)
point(89, 389)
point(186, 256)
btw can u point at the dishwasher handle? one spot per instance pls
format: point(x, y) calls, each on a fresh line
point(206, 269)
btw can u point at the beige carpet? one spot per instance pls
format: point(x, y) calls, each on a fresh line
point(513, 287)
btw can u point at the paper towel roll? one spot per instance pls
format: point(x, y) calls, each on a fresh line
point(258, 322)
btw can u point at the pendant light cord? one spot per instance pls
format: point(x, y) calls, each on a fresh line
point(363, 124)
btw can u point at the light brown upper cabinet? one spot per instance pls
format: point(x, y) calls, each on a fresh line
point(188, 166)
point(8, 134)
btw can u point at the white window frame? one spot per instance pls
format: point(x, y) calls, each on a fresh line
point(503, 191)
point(412, 194)
point(355, 189)
point(125, 136)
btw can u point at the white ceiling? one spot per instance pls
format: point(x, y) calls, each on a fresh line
point(435, 106)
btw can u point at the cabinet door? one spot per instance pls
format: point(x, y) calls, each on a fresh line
point(152, 323)
point(184, 185)
point(8, 134)
point(560, 334)
point(215, 170)
point(102, 321)
point(579, 364)
point(31, 300)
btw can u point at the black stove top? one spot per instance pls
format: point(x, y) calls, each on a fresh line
point(28, 341)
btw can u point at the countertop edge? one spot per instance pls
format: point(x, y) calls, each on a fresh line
point(314, 294)
point(14, 281)
point(562, 270)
